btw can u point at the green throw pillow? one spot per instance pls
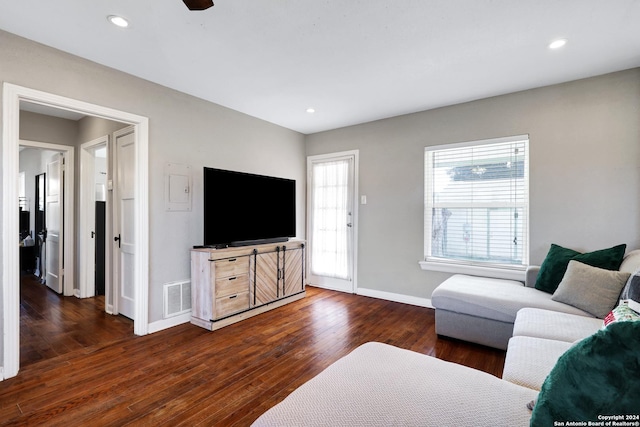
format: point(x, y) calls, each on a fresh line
point(555, 263)
point(596, 377)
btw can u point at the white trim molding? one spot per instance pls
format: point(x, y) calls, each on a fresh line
point(12, 95)
point(170, 322)
point(475, 270)
point(389, 296)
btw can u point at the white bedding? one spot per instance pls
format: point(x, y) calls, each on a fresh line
point(382, 385)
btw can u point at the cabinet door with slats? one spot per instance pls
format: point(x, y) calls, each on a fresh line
point(263, 274)
point(292, 267)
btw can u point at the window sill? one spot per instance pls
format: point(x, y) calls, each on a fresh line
point(475, 270)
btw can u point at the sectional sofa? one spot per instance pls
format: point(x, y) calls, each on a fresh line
point(483, 310)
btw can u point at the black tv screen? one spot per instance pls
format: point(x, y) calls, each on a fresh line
point(243, 208)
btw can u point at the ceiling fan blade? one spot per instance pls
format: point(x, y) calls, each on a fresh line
point(198, 4)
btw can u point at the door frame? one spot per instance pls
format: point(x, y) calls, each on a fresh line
point(11, 96)
point(68, 203)
point(356, 161)
point(87, 204)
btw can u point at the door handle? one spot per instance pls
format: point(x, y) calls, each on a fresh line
point(117, 239)
point(93, 234)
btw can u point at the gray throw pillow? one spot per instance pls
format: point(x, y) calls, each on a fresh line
point(591, 289)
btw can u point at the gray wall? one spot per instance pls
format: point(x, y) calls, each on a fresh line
point(90, 128)
point(584, 164)
point(54, 130)
point(183, 129)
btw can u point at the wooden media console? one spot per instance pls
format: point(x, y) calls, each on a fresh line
point(231, 284)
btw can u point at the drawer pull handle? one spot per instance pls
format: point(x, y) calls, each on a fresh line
point(232, 259)
point(232, 278)
point(233, 296)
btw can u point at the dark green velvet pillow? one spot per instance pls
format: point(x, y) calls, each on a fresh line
point(599, 376)
point(555, 263)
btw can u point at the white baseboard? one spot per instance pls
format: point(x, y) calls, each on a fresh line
point(169, 323)
point(405, 299)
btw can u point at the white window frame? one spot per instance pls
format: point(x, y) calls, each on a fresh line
point(504, 271)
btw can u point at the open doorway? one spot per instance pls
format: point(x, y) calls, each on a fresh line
point(48, 170)
point(93, 217)
point(53, 322)
point(12, 97)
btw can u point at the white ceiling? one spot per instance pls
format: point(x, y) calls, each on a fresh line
point(354, 61)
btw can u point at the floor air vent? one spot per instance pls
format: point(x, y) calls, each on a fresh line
point(177, 298)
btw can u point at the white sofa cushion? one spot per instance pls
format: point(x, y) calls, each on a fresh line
point(529, 360)
point(631, 261)
point(553, 325)
point(497, 299)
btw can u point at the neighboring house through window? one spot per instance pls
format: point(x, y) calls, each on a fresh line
point(476, 204)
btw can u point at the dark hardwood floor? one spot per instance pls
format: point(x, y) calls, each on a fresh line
point(187, 376)
point(52, 325)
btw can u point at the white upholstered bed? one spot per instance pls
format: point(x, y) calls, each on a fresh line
point(381, 385)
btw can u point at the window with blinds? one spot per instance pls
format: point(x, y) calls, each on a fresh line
point(476, 202)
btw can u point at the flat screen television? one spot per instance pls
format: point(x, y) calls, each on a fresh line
point(246, 209)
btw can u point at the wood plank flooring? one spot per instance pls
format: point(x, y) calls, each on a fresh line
point(52, 325)
point(187, 376)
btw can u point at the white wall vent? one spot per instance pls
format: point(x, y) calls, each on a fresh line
point(177, 298)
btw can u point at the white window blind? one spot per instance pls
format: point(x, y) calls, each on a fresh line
point(477, 202)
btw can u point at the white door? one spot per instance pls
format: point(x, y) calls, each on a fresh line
point(332, 220)
point(124, 224)
point(54, 223)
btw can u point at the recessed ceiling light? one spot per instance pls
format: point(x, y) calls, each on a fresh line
point(557, 44)
point(118, 21)
point(311, 110)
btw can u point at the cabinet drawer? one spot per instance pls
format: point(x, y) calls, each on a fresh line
point(232, 285)
point(232, 267)
point(231, 304)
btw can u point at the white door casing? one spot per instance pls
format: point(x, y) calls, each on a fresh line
point(12, 95)
point(124, 247)
point(54, 247)
point(332, 186)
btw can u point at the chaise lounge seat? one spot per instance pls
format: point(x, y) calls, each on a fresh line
point(482, 310)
